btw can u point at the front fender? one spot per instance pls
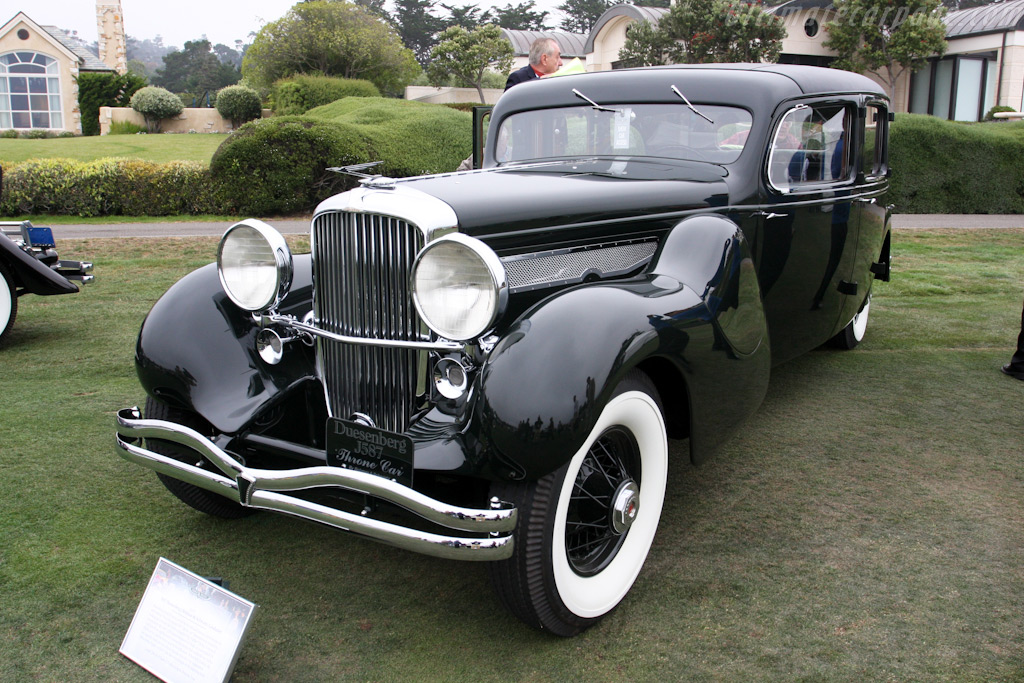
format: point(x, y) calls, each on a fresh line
point(545, 383)
point(197, 350)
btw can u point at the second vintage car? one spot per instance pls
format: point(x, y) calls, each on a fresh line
point(490, 365)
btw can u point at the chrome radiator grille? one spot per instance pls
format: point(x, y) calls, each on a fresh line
point(361, 267)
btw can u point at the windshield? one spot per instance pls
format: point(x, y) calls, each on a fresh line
point(666, 131)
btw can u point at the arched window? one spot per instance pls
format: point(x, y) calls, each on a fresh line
point(29, 91)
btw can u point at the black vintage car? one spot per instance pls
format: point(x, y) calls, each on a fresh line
point(488, 365)
point(29, 264)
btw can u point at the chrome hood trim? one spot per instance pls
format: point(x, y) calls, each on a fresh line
point(427, 212)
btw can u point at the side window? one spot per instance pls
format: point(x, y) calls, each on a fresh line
point(876, 126)
point(810, 147)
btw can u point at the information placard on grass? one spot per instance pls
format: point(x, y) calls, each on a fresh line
point(186, 628)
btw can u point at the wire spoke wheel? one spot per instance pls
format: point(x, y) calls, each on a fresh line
point(585, 529)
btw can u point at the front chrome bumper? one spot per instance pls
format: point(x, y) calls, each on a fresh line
point(266, 489)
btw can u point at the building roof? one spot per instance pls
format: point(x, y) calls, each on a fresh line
point(634, 12)
point(571, 44)
point(997, 17)
point(87, 61)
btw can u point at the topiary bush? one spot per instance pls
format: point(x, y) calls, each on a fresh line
point(300, 93)
point(944, 167)
point(278, 165)
point(155, 105)
point(239, 104)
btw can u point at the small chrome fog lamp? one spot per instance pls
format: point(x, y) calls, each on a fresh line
point(450, 378)
point(459, 287)
point(270, 346)
point(255, 265)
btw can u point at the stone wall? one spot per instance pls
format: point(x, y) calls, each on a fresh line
point(191, 120)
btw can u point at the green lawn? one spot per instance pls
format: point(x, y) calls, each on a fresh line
point(156, 148)
point(865, 525)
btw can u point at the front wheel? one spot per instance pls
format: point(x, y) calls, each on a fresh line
point(585, 530)
point(193, 496)
point(8, 301)
point(852, 335)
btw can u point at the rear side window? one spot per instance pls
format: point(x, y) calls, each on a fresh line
point(810, 148)
point(876, 123)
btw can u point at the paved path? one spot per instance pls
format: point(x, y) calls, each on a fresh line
point(292, 226)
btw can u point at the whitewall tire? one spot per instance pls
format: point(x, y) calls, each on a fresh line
point(585, 530)
point(8, 301)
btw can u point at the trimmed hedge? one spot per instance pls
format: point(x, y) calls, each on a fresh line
point(944, 167)
point(299, 94)
point(279, 165)
point(411, 138)
point(108, 187)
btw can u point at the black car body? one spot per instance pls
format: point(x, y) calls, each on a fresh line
point(489, 364)
point(29, 264)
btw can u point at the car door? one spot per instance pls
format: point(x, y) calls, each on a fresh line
point(808, 242)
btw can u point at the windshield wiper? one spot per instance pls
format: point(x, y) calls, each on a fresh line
point(692, 108)
point(592, 103)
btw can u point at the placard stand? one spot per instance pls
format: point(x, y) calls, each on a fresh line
point(186, 628)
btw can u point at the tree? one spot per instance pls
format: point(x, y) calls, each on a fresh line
point(468, 17)
point(333, 39)
point(97, 90)
point(581, 15)
point(523, 16)
point(701, 31)
point(893, 36)
point(417, 25)
point(195, 69)
point(467, 55)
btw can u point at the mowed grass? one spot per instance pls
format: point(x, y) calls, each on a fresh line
point(865, 524)
point(155, 148)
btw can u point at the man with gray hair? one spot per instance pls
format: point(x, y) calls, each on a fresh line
point(545, 58)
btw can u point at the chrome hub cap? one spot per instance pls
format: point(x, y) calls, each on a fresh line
point(625, 505)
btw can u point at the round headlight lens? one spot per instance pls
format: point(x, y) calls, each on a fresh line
point(255, 265)
point(459, 287)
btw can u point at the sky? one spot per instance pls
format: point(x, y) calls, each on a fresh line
point(221, 21)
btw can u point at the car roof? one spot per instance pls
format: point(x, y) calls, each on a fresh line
point(754, 86)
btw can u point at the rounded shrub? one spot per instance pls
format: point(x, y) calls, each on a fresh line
point(155, 104)
point(300, 93)
point(239, 104)
point(990, 115)
point(279, 165)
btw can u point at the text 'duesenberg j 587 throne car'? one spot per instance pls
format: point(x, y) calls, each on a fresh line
point(489, 365)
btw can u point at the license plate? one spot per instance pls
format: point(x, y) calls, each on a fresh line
point(368, 449)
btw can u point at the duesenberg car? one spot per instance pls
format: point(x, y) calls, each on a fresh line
point(489, 364)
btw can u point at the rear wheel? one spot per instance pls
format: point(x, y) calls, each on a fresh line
point(585, 530)
point(193, 496)
point(853, 334)
point(8, 301)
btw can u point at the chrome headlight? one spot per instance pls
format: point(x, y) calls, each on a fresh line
point(255, 265)
point(459, 287)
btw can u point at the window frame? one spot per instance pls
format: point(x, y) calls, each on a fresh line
point(847, 177)
point(51, 77)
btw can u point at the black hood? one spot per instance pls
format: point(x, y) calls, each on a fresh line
point(505, 201)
